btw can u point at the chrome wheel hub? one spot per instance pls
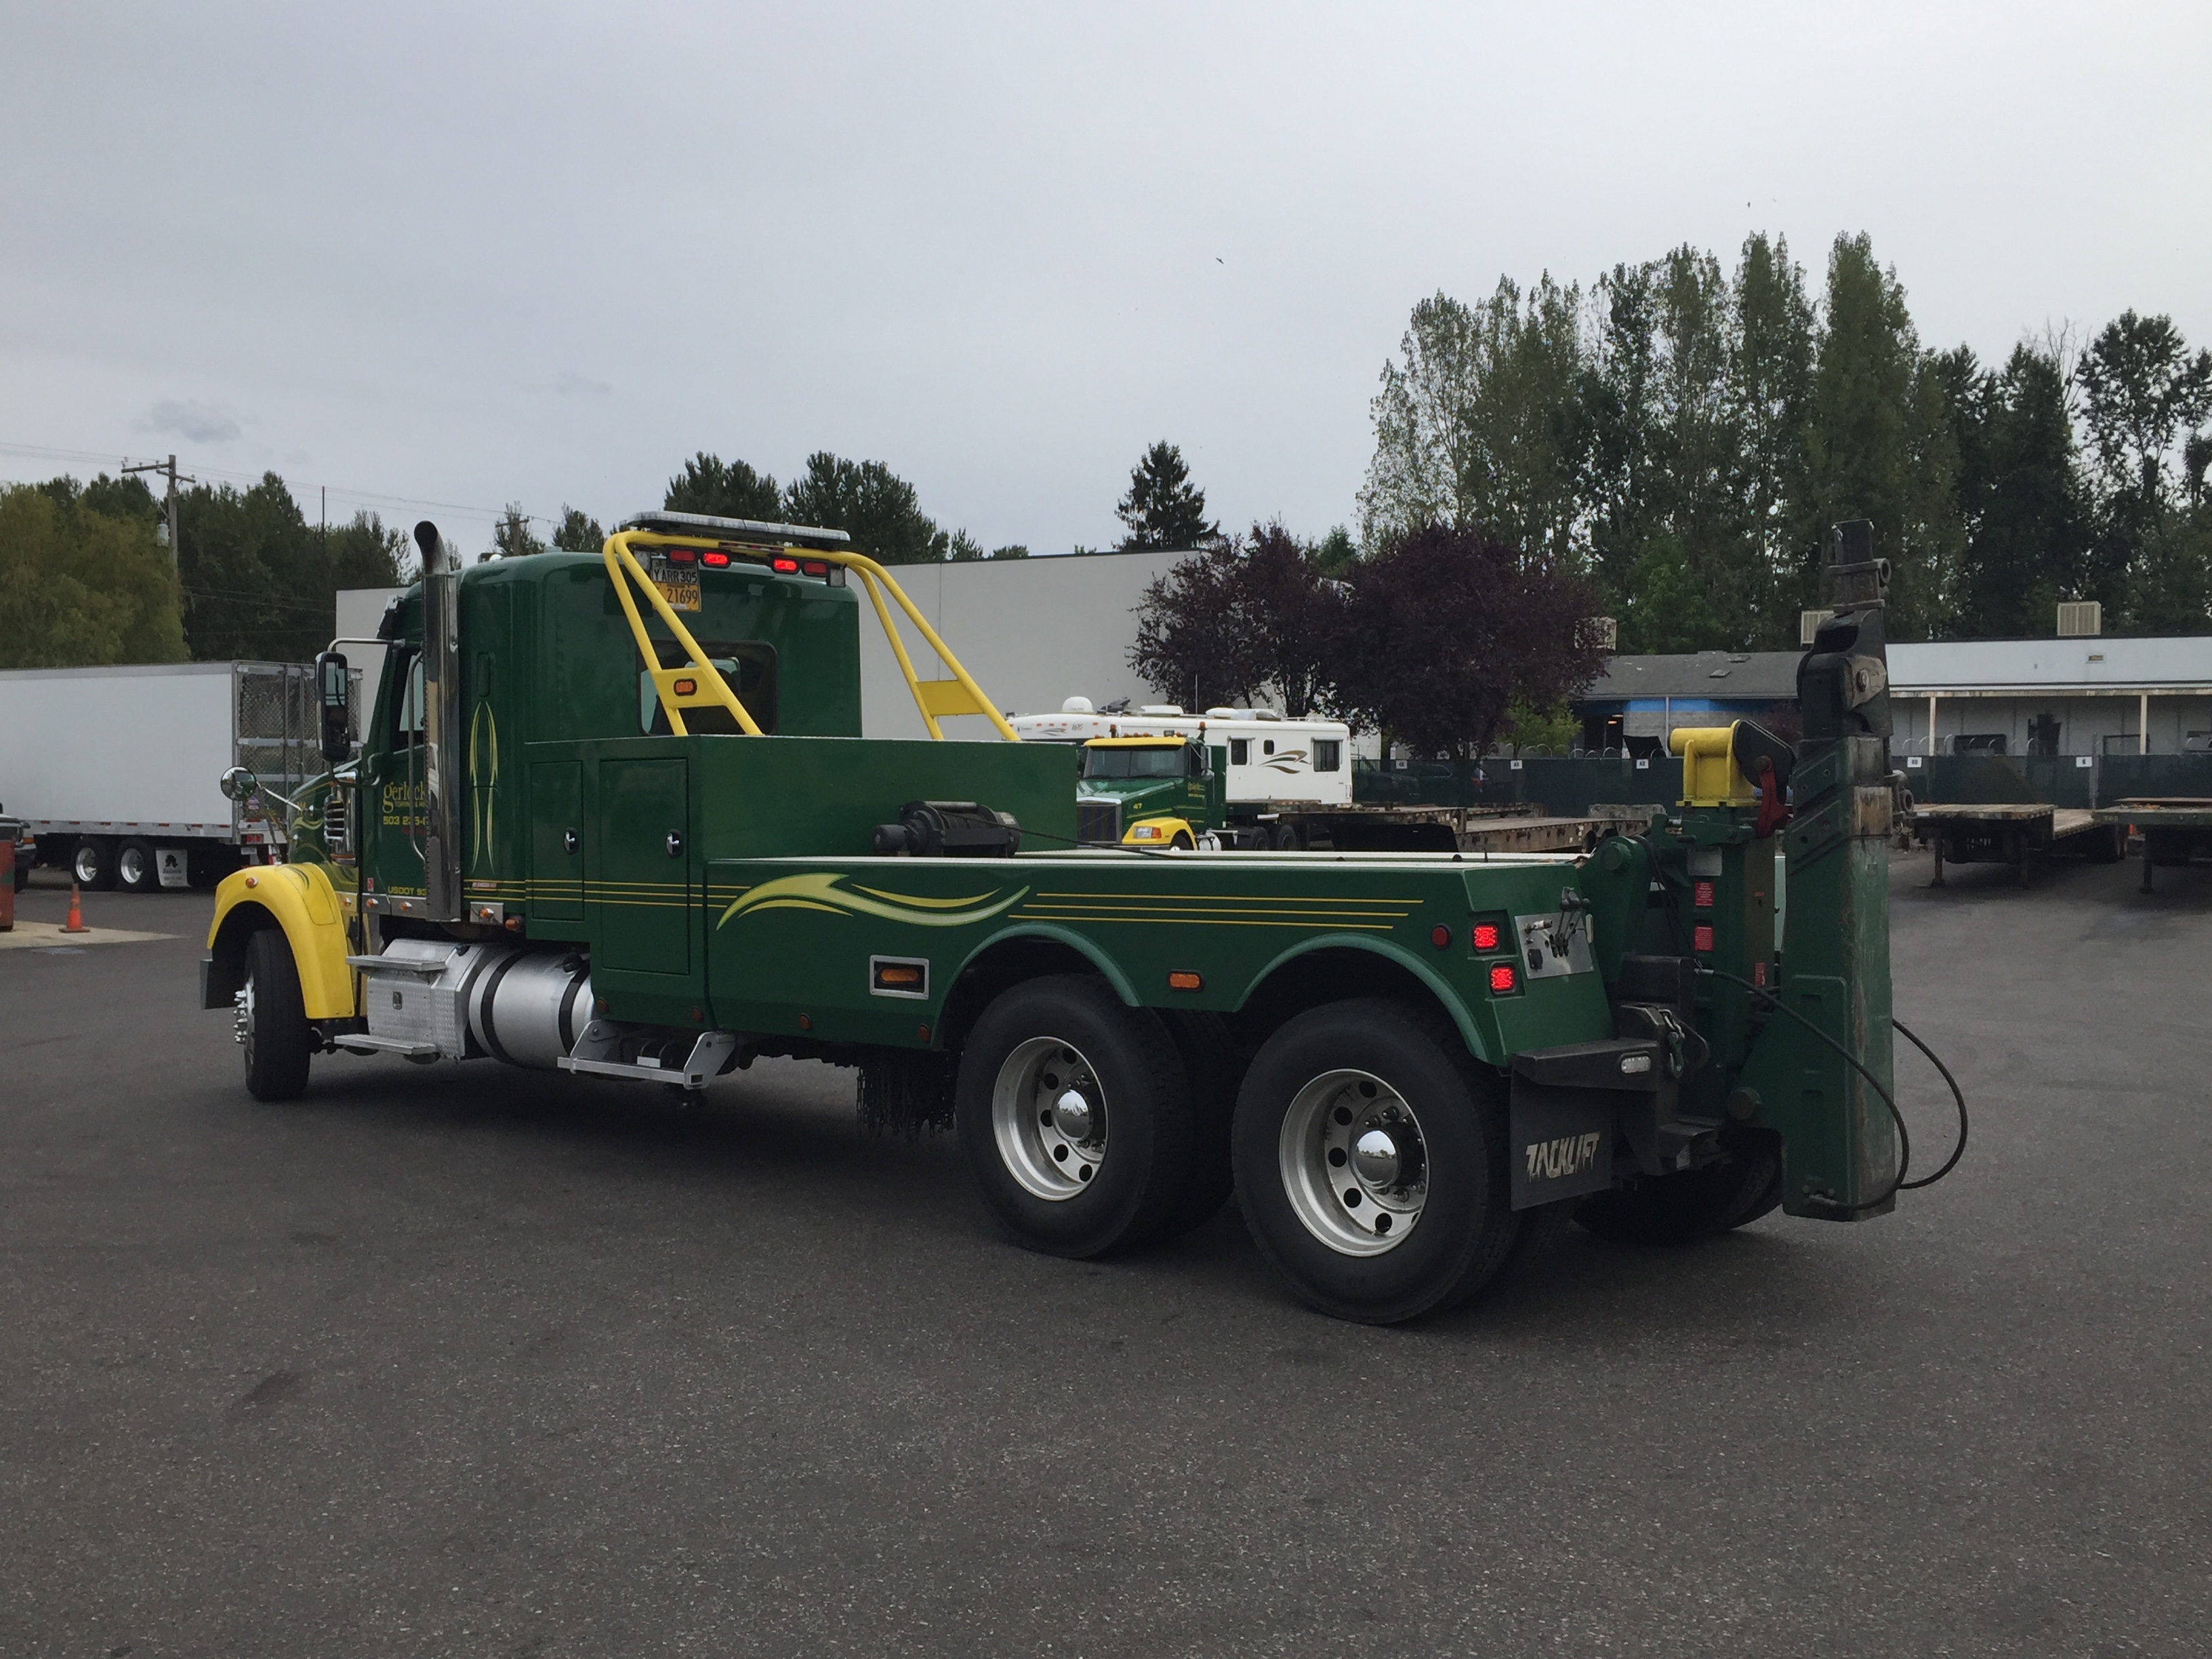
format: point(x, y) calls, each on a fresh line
point(1353, 1162)
point(1048, 1118)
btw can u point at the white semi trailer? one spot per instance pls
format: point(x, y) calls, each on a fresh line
point(1272, 759)
point(114, 770)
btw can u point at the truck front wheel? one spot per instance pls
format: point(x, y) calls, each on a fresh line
point(272, 1020)
point(1075, 1115)
point(1370, 1157)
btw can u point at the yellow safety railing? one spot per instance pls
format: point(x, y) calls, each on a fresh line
point(958, 696)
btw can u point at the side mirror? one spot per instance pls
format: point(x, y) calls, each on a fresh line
point(334, 691)
point(238, 784)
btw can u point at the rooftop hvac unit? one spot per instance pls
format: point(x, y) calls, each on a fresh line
point(1809, 623)
point(2081, 619)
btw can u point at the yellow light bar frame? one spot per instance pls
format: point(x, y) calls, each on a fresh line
point(1710, 776)
point(933, 698)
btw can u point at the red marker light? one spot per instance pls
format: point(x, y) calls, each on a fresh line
point(1502, 978)
point(1701, 937)
point(1487, 935)
point(680, 555)
point(1440, 936)
point(716, 559)
point(1702, 896)
point(815, 566)
point(783, 567)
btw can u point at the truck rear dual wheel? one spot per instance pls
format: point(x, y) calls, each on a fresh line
point(91, 864)
point(1741, 1185)
point(137, 868)
point(1368, 1149)
point(1074, 1112)
point(273, 1020)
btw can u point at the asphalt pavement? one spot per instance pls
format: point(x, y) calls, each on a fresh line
point(461, 1359)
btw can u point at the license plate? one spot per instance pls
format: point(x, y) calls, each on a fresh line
point(682, 593)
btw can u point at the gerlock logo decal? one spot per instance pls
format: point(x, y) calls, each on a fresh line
point(1554, 1160)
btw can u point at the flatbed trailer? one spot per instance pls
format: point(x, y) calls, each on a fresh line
point(614, 816)
point(2010, 832)
point(2174, 828)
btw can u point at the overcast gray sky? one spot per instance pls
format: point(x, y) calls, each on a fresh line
point(466, 254)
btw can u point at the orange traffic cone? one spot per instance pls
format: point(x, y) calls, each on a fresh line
point(75, 923)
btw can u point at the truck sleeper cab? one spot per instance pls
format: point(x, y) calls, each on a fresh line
point(1411, 1067)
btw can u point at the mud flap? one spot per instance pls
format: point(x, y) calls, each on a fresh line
point(1562, 1145)
point(1567, 1110)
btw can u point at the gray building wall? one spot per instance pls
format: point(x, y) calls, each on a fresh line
point(1033, 632)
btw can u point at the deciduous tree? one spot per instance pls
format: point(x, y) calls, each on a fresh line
point(1448, 627)
point(80, 588)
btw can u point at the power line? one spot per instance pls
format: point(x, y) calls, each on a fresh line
point(345, 493)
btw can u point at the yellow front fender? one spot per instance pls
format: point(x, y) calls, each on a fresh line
point(299, 899)
point(1158, 832)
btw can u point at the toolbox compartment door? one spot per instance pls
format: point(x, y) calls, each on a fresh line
point(641, 877)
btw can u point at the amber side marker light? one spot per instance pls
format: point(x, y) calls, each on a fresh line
point(685, 688)
point(1181, 979)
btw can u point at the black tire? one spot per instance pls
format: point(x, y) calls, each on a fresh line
point(2103, 846)
point(92, 864)
point(1284, 838)
point(1741, 1185)
point(1183, 842)
point(1125, 1074)
point(137, 869)
point(1465, 1223)
point(277, 1043)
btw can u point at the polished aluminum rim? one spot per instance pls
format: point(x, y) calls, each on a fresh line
point(132, 867)
point(84, 865)
point(1355, 1162)
point(1048, 1117)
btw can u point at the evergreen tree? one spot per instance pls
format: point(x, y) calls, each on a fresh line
point(877, 508)
point(1881, 445)
point(724, 489)
point(2022, 508)
point(1164, 510)
point(577, 534)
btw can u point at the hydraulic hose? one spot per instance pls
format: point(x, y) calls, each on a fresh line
point(1904, 1136)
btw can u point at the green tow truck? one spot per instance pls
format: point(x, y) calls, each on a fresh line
point(614, 816)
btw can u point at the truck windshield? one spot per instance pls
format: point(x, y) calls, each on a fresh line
point(1134, 762)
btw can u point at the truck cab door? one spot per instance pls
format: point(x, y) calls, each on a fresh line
point(556, 841)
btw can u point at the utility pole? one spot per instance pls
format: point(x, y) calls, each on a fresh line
point(170, 468)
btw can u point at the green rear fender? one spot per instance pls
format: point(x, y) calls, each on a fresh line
point(1088, 949)
point(1479, 1043)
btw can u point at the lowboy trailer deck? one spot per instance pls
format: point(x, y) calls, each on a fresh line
point(613, 816)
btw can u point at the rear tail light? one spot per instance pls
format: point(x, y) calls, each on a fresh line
point(783, 566)
point(815, 566)
point(680, 555)
point(1503, 980)
point(718, 560)
point(1488, 936)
